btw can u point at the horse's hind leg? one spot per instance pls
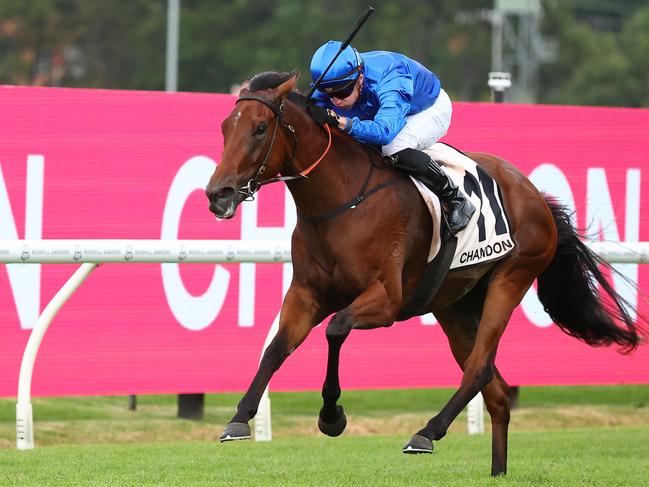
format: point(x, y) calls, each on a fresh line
point(373, 308)
point(479, 368)
point(506, 287)
point(496, 397)
point(460, 324)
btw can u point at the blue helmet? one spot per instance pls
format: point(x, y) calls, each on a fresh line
point(344, 71)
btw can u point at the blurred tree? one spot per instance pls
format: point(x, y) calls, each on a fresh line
point(596, 67)
point(603, 44)
point(121, 44)
point(221, 46)
point(30, 41)
point(634, 43)
point(117, 44)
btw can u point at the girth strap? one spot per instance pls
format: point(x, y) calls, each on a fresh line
point(354, 202)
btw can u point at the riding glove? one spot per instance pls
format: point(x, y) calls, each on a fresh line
point(322, 115)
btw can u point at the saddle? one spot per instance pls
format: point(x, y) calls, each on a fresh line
point(486, 238)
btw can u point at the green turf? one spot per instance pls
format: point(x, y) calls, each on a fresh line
point(422, 400)
point(635, 395)
point(97, 441)
point(586, 457)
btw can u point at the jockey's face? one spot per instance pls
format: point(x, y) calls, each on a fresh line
point(348, 102)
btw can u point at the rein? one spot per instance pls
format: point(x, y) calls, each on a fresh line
point(254, 184)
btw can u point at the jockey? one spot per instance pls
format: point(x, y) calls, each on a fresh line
point(389, 100)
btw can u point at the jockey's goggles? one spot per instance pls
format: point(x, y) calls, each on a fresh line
point(342, 90)
point(342, 86)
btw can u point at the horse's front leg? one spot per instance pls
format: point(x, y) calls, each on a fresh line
point(373, 308)
point(300, 312)
point(332, 419)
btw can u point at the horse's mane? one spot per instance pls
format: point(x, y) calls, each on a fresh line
point(298, 98)
point(272, 79)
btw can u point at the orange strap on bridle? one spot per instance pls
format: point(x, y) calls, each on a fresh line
point(313, 166)
point(253, 184)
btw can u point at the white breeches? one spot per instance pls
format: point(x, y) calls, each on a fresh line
point(423, 129)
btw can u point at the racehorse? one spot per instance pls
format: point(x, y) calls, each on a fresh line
point(360, 255)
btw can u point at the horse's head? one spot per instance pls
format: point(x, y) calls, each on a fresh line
point(256, 142)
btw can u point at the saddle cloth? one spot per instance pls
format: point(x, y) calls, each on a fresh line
point(487, 236)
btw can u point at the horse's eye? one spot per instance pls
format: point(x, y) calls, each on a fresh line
point(261, 129)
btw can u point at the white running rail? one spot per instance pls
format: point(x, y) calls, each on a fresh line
point(91, 253)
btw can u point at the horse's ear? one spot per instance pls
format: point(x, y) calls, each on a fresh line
point(289, 85)
point(245, 87)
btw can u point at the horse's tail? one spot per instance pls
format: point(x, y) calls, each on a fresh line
point(569, 294)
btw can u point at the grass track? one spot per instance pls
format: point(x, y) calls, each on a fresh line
point(587, 457)
point(96, 441)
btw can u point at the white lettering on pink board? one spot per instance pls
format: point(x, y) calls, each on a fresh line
point(192, 312)
point(602, 221)
point(251, 230)
point(25, 280)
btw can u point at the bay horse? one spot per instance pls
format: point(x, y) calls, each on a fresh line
point(360, 256)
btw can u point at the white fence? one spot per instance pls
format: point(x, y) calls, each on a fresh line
point(90, 253)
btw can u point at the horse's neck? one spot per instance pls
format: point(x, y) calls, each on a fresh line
point(335, 180)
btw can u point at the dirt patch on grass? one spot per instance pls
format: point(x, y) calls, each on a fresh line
point(400, 424)
point(528, 419)
point(165, 427)
point(579, 417)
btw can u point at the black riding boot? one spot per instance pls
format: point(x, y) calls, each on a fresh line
point(459, 209)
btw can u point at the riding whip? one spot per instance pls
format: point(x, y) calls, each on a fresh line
point(350, 37)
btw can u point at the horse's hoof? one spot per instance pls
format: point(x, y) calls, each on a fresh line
point(235, 431)
point(335, 428)
point(418, 444)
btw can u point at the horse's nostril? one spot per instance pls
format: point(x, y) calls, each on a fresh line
point(224, 193)
point(223, 202)
point(221, 194)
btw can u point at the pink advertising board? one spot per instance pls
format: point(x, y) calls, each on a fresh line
point(112, 164)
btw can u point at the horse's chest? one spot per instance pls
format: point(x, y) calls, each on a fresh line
point(346, 280)
point(344, 263)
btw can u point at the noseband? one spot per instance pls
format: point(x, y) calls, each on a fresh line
point(254, 184)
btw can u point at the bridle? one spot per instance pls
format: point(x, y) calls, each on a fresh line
point(254, 184)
